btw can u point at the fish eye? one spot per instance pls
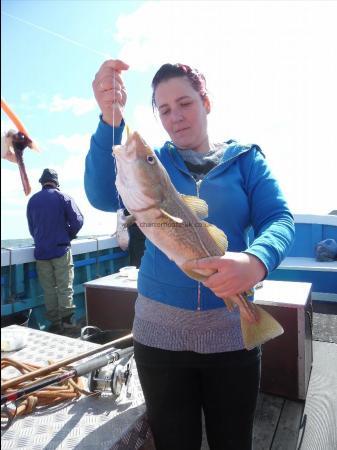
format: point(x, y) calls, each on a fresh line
point(150, 159)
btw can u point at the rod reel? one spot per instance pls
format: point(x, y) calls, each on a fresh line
point(111, 378)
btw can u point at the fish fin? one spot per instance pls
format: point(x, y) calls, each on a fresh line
point(117, 146)
point(124, 221)
point(218, 235)
point(247, 309)
point(194, 275)
point(230, 304)
point(175, 219)
point(263, 330)
point(196, 204)
point(198, 275)
point(129, 220)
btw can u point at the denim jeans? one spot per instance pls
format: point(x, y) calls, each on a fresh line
point(177, 386)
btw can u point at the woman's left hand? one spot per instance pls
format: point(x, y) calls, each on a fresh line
point(236, 272)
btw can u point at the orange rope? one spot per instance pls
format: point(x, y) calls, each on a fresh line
point(70, 389)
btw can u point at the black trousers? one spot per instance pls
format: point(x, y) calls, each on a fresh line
point(177, 386)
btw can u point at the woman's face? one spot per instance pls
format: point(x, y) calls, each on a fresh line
point(183, 113)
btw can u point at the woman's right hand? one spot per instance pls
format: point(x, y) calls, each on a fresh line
point(110, 92)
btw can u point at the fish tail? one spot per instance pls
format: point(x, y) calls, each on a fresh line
point(264, 329)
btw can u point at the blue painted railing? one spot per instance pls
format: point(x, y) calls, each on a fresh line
point(301, 263)
point(98, 257)
point(20, 289)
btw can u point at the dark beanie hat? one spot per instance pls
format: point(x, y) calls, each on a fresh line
point(49, 175)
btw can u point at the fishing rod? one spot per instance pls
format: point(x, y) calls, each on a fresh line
point(77, 371)
point(64, 362)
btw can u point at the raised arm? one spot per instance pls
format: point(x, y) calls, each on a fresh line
point(99, 176)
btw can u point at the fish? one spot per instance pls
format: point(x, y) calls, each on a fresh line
point(175, 223)
point(18, 141)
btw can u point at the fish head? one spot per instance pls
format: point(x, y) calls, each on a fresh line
point(141, 179)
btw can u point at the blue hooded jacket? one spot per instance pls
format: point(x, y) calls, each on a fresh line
point(54, 220)
point(241, 194)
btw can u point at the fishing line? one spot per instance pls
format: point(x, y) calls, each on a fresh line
point(122, 234)
point(53, 33)
point(114, 106)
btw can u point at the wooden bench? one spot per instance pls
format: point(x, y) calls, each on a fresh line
point(313, 270)
point(298, 263)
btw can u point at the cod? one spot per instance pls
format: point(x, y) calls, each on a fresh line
point(175, 224)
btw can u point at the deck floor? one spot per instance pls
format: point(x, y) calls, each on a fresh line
point(282, 424)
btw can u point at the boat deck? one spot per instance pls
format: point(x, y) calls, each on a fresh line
point(91, 422)
point(280, 423)
point(283, 424)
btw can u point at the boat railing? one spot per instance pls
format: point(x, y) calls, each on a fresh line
point(301, 263)
point(94, 257)
point(97, 257)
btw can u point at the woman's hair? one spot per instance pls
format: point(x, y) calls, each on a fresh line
point(168, 71)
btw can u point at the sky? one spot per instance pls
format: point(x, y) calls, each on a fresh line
point(271, 71)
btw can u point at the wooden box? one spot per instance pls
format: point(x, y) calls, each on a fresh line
point(287, 359)
point(110, 302)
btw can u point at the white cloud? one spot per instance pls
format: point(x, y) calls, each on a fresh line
point(74, 143)
point(10, 180)
point(271, 71)
point(271, 74)
point(31, 100)
point(27, 96)
point(12, 195)
point(6, 125)
point(14, 202)
point(76, 105)
point(144, 121)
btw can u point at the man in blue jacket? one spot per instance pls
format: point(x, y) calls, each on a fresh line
point(54, 220)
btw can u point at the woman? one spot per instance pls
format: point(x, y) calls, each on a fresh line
point(188, 348)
